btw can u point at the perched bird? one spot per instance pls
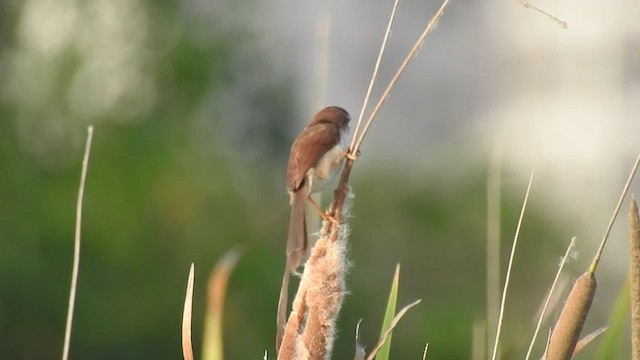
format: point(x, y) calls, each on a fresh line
point(314, 159)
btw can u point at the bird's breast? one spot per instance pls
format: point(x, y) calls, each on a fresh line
point(325, 169)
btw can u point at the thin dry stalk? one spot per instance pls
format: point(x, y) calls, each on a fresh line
point(508, 276)
point(548, 299)
point(341, 192)
point(574, 313)
point(634, 277)
point(418, 44)
point(528, 5)
point(392, 326)
point(424, 354)
point(596, 259)
point(76, 247)
point(374, 76)
point(187, 346)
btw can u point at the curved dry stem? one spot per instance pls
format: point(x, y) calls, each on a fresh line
point(187, 346)
point(528, 5)
point(76, 248)
point(341, 192)
point(596, 259)
point(374, 76)
point(392, 326)
point(418, 44)
point(546, 302)
point(424, 354)
point(508, 277)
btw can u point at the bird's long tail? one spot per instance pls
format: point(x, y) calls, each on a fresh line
point(297, 241)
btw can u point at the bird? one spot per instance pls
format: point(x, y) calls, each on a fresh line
point(315, 156)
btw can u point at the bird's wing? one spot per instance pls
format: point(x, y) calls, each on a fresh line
point(314, 141)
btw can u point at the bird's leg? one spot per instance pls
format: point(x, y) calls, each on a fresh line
point(325, 214)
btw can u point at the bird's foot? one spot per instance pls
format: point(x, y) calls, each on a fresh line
point(351, 156)
point(328, 216)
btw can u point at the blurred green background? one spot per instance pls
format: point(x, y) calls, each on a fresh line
point(193, 123)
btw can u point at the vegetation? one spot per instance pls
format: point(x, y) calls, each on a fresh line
point(181, 172)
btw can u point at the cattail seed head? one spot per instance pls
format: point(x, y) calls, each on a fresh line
point(567, 330)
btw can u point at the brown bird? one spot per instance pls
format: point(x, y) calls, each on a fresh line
point(315, 156)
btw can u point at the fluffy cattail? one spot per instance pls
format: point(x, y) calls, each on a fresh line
point(310, 330)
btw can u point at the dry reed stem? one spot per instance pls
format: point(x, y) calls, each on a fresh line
point(76, 247)
point(508, 276)
point(596, 259)
point(418, 44)
point(187, 346)
point(634, 278)
point(548, 299)
point(424, 354)
point(374, 76)
point(528, 5)
point(566, 333)
point(340, 193)
point(392, 326)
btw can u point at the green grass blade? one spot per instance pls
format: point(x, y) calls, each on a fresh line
point(390, 312)
point(612, 339)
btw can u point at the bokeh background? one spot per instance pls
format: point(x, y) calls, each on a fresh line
point(195, 104)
